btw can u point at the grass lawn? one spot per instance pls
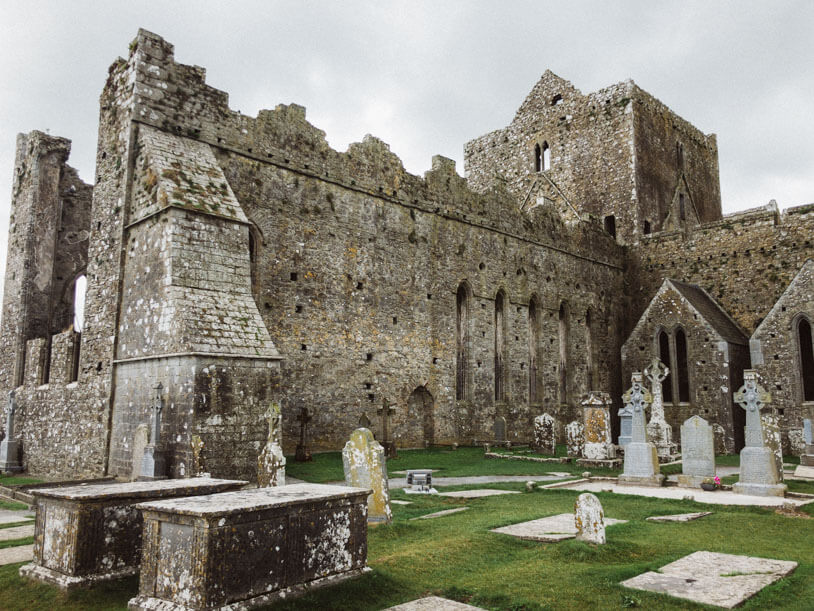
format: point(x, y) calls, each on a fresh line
point(456, 556)
point(12, 505)
point(12, 480)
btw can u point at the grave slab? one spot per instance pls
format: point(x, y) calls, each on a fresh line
point(548, 530)
point(433, 603)
point(680, 517)
point(397, 502)
point(439, 514)
point(476, 494)
point(16, 532)
point(90, 533)
point(723, 580)
point(12, 555)
point(250, 548)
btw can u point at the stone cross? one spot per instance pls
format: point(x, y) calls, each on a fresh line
point(10, 447)
point(637, 398)
point(271, 461)
point(158, 406)
point(12, 408)
point(752, 397)
point(303, 452)
point(197, 457)
point(389, 446)
point(153, 461)
point(656, 371)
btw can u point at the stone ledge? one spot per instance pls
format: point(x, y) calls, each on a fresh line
point(72, 582)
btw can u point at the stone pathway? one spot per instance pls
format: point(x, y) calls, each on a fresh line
point(439, 514)
point(401, 482)
point(433, 603)
point(10, 516)
point(548, 530)
point(476, 494)
point(21, 553)
point(719, 471)
point(717, 497)
point(16, 532)
point(723, 580)
point(680, 517)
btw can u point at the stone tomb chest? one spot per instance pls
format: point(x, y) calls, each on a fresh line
point(90, 533)
point(251, 547)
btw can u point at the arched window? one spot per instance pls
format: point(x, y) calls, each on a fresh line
point(79, 290)
point(534, 347)
point(538, 158)
point(462, 343)
point(664, 355)
point(589, 350)
point(563, 371)
point(500, 346)
point(546, 157)
point(682, 370)
point(806, 350)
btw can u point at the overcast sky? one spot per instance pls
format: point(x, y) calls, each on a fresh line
point(426, 77)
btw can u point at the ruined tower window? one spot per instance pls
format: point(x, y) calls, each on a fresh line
point(679, 155)
point(806, 350)
point(80, 286)
point(563, 370)
point(610, 225)
point(682, 213)
point(664, 355)
point(534, 348)
point(682, 370)
point(557, 99)
point(369, 356)
point(589, 349)
point(546, 157)
point(500, 347)
point(293, 276)
point(646, 227)
point(538, 159)
point(462, 343)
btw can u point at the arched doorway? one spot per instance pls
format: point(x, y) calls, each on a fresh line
point(420, 419)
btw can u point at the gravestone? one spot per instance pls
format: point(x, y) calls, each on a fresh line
point(303, 452)
point(153, 461)
point(389, 445)
point(364, 421)
point(10, 447)
point(625, 425)
point(772, 439)
point(197, 467)
point(659, 432)
point(697, 452)
point(641, 459)
point(719, 434)
point(596, 423)
point(545, 437)
point(806, 466)
point(589, 519)
point(758, 468)
point(271, 462)
point(140, 440)
point(500, 429)
point(365, 467)
point(575, 438)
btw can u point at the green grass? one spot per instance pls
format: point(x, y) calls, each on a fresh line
point(16, 542)
point(13, 505)
point(13, 480)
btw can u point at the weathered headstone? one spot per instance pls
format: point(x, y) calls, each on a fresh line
point(271, 462)
point(500, 429)
point(303, 452)
point(545, 435)
point(153, 461)
point(625, 425)
point(659, 432)
point(364, 421)
point(388, 444)
point(596, 422)
point(365, 467)
point(641, 459)
point(807, 431)
point(589, 519)
point(806, 466)
point(758, 469)
point(140, 440)
point(697, 452)
point(575, 438)
point(10, 447)
point(772, 439)
point(719, 434)
point(197, 467)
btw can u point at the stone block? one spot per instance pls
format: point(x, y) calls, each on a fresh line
point(589, 519)
point(365, 467)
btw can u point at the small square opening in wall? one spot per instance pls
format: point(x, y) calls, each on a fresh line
point(429, 295)
point(359, 286)
point(293, 276)
point(395, 320)
point(780, 411)
point(368, 385)
point(776, 357)
point(778, 387)
point(480, 363)
point(298, 309)
point(369, 356)
point(435, 360)
point(303, 347)
point(371, 397)
point(516, 338)
point(522, 366)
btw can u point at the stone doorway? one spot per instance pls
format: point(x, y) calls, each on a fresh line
point(419, 424)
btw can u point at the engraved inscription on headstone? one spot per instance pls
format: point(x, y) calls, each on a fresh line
point(697, 452)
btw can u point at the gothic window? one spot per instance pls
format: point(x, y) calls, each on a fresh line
point(646, 227)
point(664, 355)
point(79, 290)
point(538, 158)
point(680, 154)
point(462, 342)
point(546, 157)
point(534, 347)
point(806, 349)
point(610, 225)
point(682, 212)
point(563, 371)
point(682, 370)
point(500, 347)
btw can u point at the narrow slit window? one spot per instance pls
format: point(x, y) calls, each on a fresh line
point(546, 157)
point(806, 359)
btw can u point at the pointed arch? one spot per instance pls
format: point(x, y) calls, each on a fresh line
point(546, 157)
point(462, 341)
point(538, 158)
point(663, 350)
point(805, 356)
point(682, 377)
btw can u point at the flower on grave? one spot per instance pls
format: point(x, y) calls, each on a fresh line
point(717, 481)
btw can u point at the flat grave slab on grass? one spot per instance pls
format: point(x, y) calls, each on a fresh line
point(21, 553)
point(680, 517)
point(398, 502)
point(438, 514)
point(723, 580)
point(476, 494)
point(717, 497)
point(548, 530)
point(16, 532)
point(432, 603)
point(404, 472)
point(10, 516)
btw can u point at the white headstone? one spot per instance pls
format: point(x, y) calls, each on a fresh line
point(365, 467)
point(697, 452)
point(545, 436)
point(589, 519)
point(575, 438)
point(641, 461)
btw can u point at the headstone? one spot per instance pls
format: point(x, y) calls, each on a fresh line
point(697, 452)
point(659, 432)
point(719, 434)
point(625, 425)
point(589, 519)
point(575, 438)
point(596, 422)
point(140, 440)
point(758, 468)
point(545, 435)
point(10, 447)
point(303, 452)
point(807, 431)
point(500, 429)
point(641, 459)
point(807, 457)
point(197, 467)
point(389, 445)
point(365, 467)
point(364, 421)
point(772, 439)
point(153, 461)
point(271, 462)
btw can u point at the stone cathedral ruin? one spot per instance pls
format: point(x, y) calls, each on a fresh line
point(239, 261)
